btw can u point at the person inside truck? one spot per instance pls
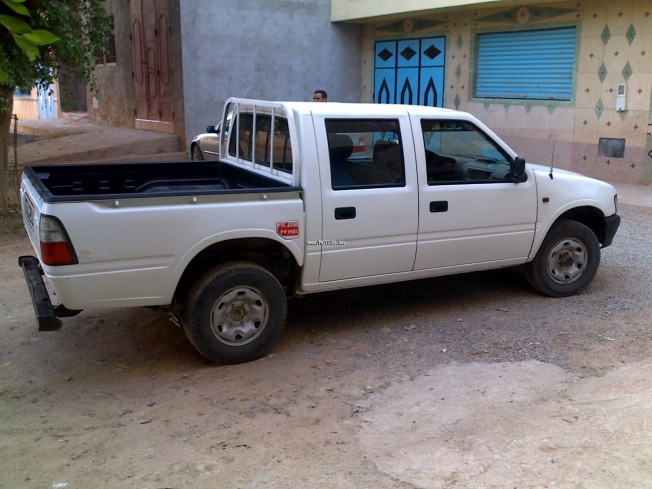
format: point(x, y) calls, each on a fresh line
point(319, 96)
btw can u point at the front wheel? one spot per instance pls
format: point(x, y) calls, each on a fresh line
point(235, 312)
point(567, 261)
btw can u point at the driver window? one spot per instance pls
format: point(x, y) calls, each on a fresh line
point(459, 152)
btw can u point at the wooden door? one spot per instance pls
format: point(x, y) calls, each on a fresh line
point(150, 29)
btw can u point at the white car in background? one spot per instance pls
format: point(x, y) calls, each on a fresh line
point(206, 146)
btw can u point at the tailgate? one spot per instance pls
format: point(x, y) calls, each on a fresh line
point(31, 204)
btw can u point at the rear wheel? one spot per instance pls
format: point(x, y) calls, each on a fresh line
point(235, 313)
point(567, 261)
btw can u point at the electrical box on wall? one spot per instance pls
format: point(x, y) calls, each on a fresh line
point(621, 95)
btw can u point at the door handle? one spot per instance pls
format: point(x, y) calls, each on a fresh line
point(439, 206)
point(344, 213)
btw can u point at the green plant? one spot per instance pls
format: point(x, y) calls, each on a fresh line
point(38, 39)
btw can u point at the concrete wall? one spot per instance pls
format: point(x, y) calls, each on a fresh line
point(113, 102)
point(272, 49)
point(614, 46)
point(176, 64)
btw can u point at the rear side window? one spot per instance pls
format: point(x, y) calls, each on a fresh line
point(271, 142)
point(365, 153)
point(240, 141)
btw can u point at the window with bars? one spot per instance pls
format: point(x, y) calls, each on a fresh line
point(109, 56)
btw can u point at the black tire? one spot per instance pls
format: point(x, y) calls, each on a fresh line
point(567, 261)
point(195, 153)
point(235, 312)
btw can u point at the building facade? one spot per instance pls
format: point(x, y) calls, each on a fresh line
point(176, 62)
point(565, 83)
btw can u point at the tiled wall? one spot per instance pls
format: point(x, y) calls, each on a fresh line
point(614, 46)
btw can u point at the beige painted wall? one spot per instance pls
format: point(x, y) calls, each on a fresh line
point(26, 107)
point(356, 10)
point(614, 46)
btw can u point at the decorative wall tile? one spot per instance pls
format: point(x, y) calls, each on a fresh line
point(599, 108)
point(602, 72)
point(606, 35)
point(528, 15)
point(630, 35)
point(627, 71)
point(585, 127)
point(409, 25)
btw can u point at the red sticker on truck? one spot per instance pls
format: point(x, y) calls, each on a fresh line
point(288, 229)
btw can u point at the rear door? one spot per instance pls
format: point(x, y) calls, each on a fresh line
point(470, 210)
point(369, 199)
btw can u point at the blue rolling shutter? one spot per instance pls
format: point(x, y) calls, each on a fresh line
point(526, 64)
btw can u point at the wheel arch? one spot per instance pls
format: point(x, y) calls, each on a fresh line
point(591, 217)
point(265, 252)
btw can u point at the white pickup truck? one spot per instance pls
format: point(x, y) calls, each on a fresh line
point(306, 197)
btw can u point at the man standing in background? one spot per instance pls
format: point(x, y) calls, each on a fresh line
point(319, 96)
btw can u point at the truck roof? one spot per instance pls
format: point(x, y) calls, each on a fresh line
point(365, 109)
point(354, 109)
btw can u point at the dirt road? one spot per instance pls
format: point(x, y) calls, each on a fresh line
point(471, 381)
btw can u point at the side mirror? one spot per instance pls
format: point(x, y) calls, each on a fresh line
point(210, 129)
point(518, 169)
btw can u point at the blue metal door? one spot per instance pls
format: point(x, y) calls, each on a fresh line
point(410, 71)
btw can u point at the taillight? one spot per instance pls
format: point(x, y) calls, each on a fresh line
point(56, 248)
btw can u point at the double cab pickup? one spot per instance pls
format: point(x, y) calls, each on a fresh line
point(304, 198)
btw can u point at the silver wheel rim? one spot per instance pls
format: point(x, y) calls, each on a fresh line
point(239, 316)
point(567, 261)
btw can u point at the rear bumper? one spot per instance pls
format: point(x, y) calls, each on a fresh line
point(47, 315)
point(611, 226)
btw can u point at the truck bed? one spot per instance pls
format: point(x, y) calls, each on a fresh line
point(66, 183)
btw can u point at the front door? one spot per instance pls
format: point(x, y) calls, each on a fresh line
point(152, 74)
point(470, 210)
point(370, 198)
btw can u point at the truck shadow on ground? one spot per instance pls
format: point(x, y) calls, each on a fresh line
point(144, 340)
point(352, 309)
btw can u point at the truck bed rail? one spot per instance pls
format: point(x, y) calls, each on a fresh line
point(130, 180)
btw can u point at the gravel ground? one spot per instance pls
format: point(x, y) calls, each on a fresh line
point(464, 381)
